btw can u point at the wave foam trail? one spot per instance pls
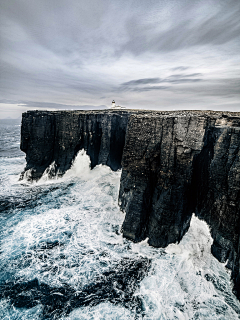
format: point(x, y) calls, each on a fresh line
point(80, 166)
point(63, 257)
point(188, 282)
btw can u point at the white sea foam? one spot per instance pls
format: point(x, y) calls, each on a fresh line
point(178, 285)
point(80, 212)
point(103, 311)
point(80, 168)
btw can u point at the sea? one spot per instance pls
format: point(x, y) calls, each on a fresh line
point(62, 254)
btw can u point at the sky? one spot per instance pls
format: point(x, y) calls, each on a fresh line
point(144, 54)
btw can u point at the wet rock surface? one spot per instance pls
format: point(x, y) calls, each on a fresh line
point(173, 164)
point(54, 138)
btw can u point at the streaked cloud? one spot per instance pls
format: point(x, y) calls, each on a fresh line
point(137, 85)
point(141, 81)
point(140, 53)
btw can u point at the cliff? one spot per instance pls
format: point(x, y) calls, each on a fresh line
point(173, 164)
point(56, 137)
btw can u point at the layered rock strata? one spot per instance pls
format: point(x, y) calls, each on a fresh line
point(173, 164)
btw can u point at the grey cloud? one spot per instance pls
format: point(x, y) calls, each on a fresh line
point(182, 80)
point(79, 30)
point(180, 68)
point(75, 30)
point(219, 89)
point(49, 81)
point(222, 88)
point(174, 79)
point(185, 75)
point(203, 24)
point(71, 51)
point(49, 105)
point(142, 89)
point(142, 81)
point(225, 88)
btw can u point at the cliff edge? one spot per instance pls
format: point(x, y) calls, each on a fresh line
point(173, 164)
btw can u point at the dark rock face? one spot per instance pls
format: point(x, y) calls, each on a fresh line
point(173, 164)
point(218, 193)
point(56, 137)
point(156, 176)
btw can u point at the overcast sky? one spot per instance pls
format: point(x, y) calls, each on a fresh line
point(152, 54)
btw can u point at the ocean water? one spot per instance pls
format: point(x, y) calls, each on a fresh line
point(62, 255)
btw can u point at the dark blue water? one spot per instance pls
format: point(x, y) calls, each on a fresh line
point(62, 254)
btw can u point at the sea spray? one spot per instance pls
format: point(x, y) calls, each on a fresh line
point(62, 236)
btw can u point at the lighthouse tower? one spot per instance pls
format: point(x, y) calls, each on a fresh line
point(113, 105)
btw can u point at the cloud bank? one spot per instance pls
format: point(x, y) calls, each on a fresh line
point(178, 54)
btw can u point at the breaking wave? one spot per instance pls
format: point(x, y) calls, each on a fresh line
point(63, 255)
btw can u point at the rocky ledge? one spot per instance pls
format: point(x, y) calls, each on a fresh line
point(173, 164)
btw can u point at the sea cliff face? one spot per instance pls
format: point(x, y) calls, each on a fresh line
point(173, 164)
point(56, 137)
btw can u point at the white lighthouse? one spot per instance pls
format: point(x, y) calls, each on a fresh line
point(114, 106)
